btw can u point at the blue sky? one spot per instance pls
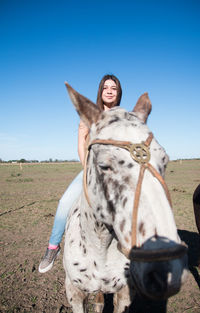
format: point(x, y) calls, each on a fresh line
point(151, 46)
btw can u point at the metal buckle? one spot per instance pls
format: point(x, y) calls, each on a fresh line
point(140, 153)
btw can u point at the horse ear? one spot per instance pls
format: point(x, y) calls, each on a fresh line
point(87, 110)
point(143, 107)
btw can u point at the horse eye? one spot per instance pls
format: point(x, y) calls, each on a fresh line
point(104, 167)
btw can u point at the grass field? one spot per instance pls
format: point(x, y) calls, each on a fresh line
point(28, 201)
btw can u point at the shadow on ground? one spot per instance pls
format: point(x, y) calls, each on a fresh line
point(139, 305)
point(192, 240)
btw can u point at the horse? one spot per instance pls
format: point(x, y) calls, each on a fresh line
point(121, 235)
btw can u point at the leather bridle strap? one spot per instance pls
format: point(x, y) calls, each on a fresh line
point(141, 154)
point(136, 205)
point(127, 145)
point(137, 196)
point(161, 180)
point(85, 176)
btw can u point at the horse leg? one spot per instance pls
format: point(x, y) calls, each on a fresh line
point(122, 300)
point(76, 297)
point(98, 302)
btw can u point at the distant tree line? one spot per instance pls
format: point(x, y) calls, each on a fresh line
point(36, 161)
point(60, 161)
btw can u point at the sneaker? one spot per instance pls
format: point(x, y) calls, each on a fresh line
point(47, 262)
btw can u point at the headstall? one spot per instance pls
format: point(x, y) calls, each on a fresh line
point(141, 154)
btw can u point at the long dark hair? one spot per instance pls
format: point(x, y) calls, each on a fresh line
point(99, 102)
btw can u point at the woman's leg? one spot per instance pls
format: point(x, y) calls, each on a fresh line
point(69, 197)
point(196, 205)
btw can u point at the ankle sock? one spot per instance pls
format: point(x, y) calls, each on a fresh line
point(52, 247)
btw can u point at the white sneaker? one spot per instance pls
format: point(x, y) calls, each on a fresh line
point(47, 262)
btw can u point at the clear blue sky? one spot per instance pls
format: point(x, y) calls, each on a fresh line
point(151, 46)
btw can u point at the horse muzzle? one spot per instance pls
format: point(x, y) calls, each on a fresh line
point(158, 273)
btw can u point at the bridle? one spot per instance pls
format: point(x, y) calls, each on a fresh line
point(141, 154)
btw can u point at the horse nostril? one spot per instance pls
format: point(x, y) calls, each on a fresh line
point(156, 282)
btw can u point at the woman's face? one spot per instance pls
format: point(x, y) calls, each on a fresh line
point(109, 94)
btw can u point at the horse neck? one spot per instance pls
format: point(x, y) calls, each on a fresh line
point(93, 231)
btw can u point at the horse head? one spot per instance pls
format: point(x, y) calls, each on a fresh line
point(124, 184)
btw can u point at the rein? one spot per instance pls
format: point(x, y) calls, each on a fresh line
point(141, 154)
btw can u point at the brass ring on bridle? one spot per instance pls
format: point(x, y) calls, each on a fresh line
point(140, 153)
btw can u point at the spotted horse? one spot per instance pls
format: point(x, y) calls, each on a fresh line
point(121, 234)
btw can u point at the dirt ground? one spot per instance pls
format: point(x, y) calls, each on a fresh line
point(28, 199)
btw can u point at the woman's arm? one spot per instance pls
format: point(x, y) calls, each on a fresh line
point(83, 131)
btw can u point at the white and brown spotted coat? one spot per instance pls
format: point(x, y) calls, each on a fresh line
point(91, 259)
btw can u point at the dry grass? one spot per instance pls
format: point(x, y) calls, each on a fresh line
point(28, 203)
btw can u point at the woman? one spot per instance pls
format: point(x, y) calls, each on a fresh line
point(109, 95)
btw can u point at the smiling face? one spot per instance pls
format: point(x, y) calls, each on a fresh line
point(109, 94)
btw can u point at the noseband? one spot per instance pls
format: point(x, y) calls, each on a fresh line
point(141, 154)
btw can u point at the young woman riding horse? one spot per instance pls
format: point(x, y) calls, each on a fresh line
point(109, 95)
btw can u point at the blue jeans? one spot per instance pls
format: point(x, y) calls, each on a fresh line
point(69, 197)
